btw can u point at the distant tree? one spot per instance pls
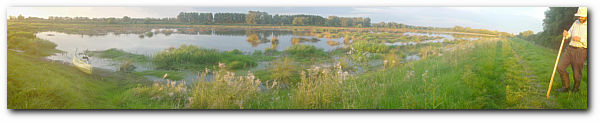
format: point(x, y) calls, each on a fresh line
point(147, 21)
point(367, 22)
point(112, 21)
point(559, 19)
point(126, 19)
point(525, 34)
point(556, 20)
point(333, 21)
point(20, 17)
point(299, 20)
point(252, 17)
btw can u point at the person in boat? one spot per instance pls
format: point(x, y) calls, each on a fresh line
point(575, 54)
point(86, 58)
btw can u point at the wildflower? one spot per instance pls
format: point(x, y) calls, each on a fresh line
point(257, 82)
point(171, 94)
point(385, 61)
point(325, 71)
point(274, 83)
point(173, 83)
point(221, 65)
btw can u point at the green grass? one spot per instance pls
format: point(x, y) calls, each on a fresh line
point(483, 74)
point(363, 46)
point(303, 52)
point(27, 42)
point(196, 58)
point(34, 83)
point(541, 61)
point(119, 55)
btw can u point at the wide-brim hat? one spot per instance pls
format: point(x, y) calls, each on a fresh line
point(582, 12)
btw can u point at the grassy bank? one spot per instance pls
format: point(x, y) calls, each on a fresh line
point(35, 83)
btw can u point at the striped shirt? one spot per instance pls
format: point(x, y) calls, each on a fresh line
point(578, 29)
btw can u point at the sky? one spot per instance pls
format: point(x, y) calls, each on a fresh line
point(505, 19)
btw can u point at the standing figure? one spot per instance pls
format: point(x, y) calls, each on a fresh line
point(576, 53)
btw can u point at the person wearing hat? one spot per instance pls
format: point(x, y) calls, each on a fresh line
point(576, 53)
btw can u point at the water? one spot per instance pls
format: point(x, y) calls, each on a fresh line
point(224, 40)
point(445, 38)
point(221, 39)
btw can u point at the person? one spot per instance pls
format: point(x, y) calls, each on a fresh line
point(576, 53)
point(87, 59)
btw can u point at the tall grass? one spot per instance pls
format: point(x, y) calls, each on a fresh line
point(193, 57)
point(29, 43)
point(37, 84)
point(305, 52)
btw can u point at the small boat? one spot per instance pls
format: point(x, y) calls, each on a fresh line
point(81, 65)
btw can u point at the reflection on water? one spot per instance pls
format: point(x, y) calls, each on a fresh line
point(444, 38)
point(413, 57)
point(156, 40)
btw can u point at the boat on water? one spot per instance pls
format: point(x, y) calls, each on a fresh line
point(82, 65)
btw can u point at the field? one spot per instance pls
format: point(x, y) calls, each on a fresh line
point(486, 73)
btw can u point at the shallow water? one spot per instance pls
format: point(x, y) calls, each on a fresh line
point(224, 40)
point(243, 40)
point(445, 38)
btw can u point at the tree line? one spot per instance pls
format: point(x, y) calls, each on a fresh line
point(264, 18)
point(253, 18)
point(557, 19)
point(250, 18)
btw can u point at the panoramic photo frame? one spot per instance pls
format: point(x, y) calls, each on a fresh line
point(343, 58)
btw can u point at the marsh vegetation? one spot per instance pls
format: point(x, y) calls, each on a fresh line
point(276, 67)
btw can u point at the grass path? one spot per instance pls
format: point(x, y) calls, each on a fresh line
point(538, 62)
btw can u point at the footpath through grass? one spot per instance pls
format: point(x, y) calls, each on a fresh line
point(506, 74)
point(540, 61)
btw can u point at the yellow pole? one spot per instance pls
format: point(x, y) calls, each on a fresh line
point(555, 64)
